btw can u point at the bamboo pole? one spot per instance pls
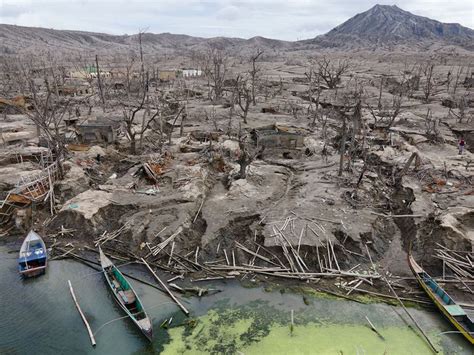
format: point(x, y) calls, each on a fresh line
point(255, 254)
point(89, 330)
point(199, 210)
point(374, 329)
point(411, 317)
point(166, 288)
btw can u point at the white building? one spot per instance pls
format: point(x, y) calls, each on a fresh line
point(191, 73)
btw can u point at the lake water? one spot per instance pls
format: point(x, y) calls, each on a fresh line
point(38, 316)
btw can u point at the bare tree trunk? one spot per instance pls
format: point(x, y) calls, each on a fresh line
point(144, 120)
point(99, 81)
point(253, 74)
point(380, 94)
point(133, 144)
point(343, 145)
point(181, 127)
point(355, 128)
point(456, 80)
point(428, 88)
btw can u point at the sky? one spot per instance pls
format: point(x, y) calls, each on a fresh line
point(279, 19)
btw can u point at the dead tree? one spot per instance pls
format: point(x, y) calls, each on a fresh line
point(379, 103)
point(431, 127)
point(351, 109)
point(248, 153)
point(386, 115)
point(331, 72)
point(243, 96)
point(342, 148)
point(410, 81)
point(457, 79)
point(99, 81)
point(254, 73)
point(430, 86)
point(461, 106)
point(314, 94)
point(211, 115)
point(139, 100)
point(46, 109)
point(170, 129)
point(356, 123)
point(131, 120)
point(215, 65)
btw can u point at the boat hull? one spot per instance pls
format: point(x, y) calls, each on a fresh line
point(417, 271)
point(109, 270)
point(147, 334)
point(33, 257)
point(37, 271)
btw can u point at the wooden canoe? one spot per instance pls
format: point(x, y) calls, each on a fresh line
point(33, 258)
point(125, 296)
point(452, 311)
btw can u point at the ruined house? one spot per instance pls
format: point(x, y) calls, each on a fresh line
point(96, 132)
point(166, 75)
point(276, 140)
point(73, 90)
point(191, 73)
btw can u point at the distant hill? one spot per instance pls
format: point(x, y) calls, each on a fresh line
point(382, 27)
point(19, 39)
point(386, 26)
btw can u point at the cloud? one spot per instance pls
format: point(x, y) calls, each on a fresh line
point(283, 19)
point(230, 13)
point(12, 10)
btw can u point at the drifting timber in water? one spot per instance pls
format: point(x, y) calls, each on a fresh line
point(125, 296)
point(452, 311)
point(33, 257)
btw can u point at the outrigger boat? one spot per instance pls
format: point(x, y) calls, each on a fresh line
point(33, 257)
point(452, 311)
point(125, 296)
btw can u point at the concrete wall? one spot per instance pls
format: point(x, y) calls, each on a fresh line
point(96, 134)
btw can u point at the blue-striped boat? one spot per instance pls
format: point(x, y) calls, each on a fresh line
point(452, 311)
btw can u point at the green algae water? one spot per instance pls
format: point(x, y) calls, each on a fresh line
point(38, 316)
point(258, 328)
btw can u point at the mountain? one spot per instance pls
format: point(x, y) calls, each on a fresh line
point(386, 26)
point(18, 40)
point(382, 27)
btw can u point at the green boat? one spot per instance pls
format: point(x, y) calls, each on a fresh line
point(125, 296)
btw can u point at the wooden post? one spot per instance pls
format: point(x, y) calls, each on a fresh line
point(89, 330)
point(166, 288)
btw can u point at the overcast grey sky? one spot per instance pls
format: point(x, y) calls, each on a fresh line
point(282, 19)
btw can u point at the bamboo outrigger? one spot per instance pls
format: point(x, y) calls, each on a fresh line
point(125, 296)
point(452, 311)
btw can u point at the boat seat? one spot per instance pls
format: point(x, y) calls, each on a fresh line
point(130, 296)
point(455, 310)
point(116, 284)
